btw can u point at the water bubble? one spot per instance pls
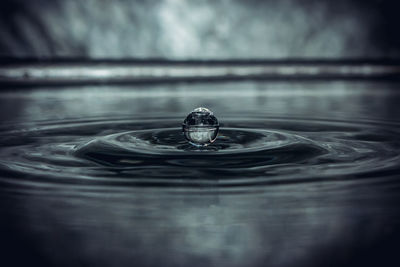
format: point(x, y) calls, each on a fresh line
point(200, 127)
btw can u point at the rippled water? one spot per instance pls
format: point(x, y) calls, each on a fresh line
point(248, 152)
point(300, 175)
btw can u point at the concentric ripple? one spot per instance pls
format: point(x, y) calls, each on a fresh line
point(128, 154)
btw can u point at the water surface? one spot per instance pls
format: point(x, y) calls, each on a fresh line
point(302, 174)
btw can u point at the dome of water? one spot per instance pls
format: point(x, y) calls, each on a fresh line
point(200, 127)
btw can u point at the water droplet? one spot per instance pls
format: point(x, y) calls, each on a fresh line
point(200, 127)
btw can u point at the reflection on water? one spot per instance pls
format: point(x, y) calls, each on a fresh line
point(302, 174)
point(331, 99)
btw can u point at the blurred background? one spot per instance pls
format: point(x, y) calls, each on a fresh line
point(206, 29)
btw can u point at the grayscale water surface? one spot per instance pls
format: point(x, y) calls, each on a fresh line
point(302, 174)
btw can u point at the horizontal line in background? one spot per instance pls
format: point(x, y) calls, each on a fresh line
point(101, 71)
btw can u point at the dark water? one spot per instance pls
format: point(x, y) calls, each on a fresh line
point(302, 174)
